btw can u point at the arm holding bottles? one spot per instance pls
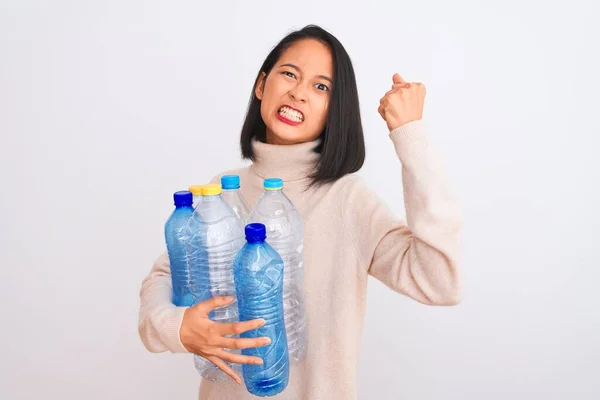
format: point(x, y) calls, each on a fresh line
point(166, 327)
point(159, 319)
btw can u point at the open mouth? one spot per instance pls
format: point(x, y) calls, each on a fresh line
point(290, 115)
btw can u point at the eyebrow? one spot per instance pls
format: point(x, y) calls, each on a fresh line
point(298, 69)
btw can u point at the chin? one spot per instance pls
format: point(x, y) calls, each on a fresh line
point(287, 136)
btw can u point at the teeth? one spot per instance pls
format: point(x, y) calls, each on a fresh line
point(290, 114)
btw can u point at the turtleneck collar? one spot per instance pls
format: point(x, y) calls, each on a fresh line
point(288, 162)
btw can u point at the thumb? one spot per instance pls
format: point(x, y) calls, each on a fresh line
point(218, 301)
point(397, 78)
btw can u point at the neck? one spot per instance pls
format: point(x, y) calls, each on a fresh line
point(288, 162)
point(278, 141)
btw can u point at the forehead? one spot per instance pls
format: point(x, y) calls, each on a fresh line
point(311, 56)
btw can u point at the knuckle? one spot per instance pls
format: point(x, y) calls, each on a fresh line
point(210, 301)
point(238, 329)
point(212, 330)
point(229, 357)
point(195, 310)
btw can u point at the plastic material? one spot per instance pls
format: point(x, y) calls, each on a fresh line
point(285, 234)
point(197, 193)
point(175, 237)
point(255, 233)
point(273, 184)
point(215, 236)
point(211, 189)
point(233, 197)
point(258, 272)
point(230, 181)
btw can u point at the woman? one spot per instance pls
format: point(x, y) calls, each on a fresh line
point(303, 125)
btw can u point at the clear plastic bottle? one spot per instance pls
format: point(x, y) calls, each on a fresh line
point(215, 236)
point(285, 232)
point(197, 193)
point(175, 238)
point(258, 273)
point(233, 196)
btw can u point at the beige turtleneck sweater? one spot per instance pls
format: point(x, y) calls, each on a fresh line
point(349, 234)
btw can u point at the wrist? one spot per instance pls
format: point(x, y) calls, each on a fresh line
point(400, 124)
point(184, 330)
point(408, 130)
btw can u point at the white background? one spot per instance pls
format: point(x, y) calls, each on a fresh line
point(107, 107)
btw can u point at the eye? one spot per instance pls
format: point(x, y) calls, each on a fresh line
point(322, 87)
point(290, 74)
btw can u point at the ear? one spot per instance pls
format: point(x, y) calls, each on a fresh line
point(260, 85)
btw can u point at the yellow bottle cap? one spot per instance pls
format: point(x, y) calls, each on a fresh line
point(212, 189)
point(196, 189)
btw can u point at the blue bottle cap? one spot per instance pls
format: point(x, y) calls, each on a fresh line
point(230, 182)
point(183, 198)
point(256, 233)
point(273, 184)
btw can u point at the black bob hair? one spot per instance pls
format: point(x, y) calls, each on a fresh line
point(342, 145)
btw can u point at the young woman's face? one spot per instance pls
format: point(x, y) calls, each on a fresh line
point(295, 95)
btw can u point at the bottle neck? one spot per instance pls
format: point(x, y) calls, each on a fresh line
point(211, 198)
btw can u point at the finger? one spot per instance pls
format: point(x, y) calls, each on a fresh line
point(397, 78)
point(381, 111)
point(217, 301)
point(225, 368)
point(239, 344)
point(238, 358)
point(399, 86)
point(391, 91)
point(240, 327)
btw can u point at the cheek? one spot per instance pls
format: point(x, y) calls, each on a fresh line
point(322, 109)
point(266, 103)
point(264, 111)
point(262, 108)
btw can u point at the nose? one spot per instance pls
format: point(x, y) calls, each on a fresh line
point(298, 93)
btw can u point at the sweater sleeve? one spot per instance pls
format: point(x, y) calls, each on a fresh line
point(420, 257)
point(159, 319)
